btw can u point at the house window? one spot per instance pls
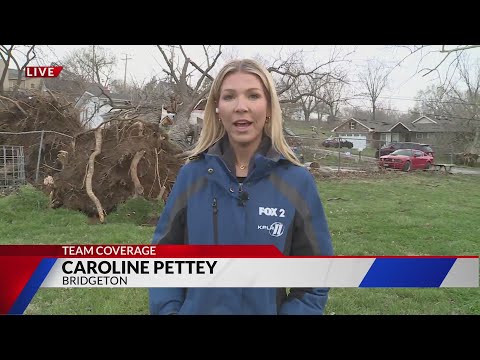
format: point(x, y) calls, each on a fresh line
point(419, 135)
point(383, 136)
point(352, 125)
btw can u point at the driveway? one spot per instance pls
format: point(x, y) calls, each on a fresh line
point(465, 170)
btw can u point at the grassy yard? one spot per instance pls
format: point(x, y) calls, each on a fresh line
point(302, 127)
point(390, 214)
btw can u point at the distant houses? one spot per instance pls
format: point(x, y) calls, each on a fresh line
point(422, 129)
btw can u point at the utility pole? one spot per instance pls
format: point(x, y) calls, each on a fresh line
point(172, 58)
point(93, 64)
point(125, 75)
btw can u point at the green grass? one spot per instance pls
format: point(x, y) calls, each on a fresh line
point(302, 127)
point(408, 214)
point(390, 214)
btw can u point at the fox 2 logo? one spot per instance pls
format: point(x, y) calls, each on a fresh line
point(271, 211)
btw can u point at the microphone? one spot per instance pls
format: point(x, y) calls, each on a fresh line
point(242, 200)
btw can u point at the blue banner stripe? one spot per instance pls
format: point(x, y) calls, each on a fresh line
point(32, 286)
point(407, 272)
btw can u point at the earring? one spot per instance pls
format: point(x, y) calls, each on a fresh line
point(219, 119)
point(267, 119)
point(216, 110)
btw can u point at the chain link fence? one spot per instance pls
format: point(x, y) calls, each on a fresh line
point(336, 154)
point(356, 154)
point(20, 163)
point(12, 167)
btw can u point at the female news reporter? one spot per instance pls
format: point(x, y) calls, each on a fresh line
point(240, 165)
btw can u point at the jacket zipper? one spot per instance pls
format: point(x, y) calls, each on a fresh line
point(215, 221)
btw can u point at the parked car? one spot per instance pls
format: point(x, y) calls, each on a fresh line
point(406, 160)
point(391, 147)
point(335, 142)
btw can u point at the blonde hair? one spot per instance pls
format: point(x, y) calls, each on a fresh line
point(213, 130)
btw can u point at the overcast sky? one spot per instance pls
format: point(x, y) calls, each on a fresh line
point(404, 81)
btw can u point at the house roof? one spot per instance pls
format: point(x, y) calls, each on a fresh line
point(201, 104)
point(96, 90)
point(400, 123)
point(440, 124)
point(363, 122)
point(117, 99)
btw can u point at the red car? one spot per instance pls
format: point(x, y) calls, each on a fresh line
point(406, 160)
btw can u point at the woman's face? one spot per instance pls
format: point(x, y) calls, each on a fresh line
point(242, 108)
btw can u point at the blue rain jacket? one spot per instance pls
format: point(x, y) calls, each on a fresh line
point(278, 203)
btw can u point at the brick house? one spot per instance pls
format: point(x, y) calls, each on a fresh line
point(368, 133)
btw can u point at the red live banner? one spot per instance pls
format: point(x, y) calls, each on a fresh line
point(43, 71)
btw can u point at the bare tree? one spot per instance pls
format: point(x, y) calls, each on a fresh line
point(188, 95)
point(373, 79)
point(333, 94)
point(288, 70)
point(153, 92)
point(6, 55)
point(21, 55)
point(92, 64)
point(312, 94)
point(445, 68)
point(460, 103)
point(470, 98)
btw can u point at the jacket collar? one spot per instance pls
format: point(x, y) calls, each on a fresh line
point(264, 155)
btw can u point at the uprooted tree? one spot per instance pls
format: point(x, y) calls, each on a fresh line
point(91, 170)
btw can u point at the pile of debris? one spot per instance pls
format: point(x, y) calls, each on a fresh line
point(91, 170)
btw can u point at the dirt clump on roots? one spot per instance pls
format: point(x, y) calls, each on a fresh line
point(91, 170)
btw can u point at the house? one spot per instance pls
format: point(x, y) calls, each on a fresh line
point(359, 132)
point(94, 105)
point(196, 116)
point(363, 132)
point(167, 119)
point(10, 81)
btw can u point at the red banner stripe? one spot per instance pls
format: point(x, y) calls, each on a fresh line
point(15, 272)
